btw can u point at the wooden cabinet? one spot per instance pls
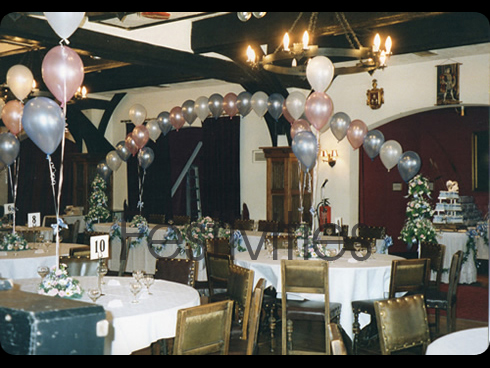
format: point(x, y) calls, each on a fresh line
point(284, 181)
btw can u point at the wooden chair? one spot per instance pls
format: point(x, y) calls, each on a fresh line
point(157, 219)
point(218, 271)
point(410, 276)
point(182, 271)
point(446, 301)
point(80, 266)
point(436, 253)
point(244, 225)
point(268, 226)
point(250, 346)
point(204, 330)
point(308, 278)
point(374, 232)
point(82, 251)
point(70, 235)
point(240, 289)
point(219, 246)
point(181, 220)
point(402, 324)
point(337, 343)
point(349, 242)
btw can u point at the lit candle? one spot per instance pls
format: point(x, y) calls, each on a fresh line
point(251, 55)
point(306, 41)
point(377, 43)
point(286, 42)
point(389, 45)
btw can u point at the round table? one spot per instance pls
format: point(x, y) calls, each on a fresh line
point(468, 342)
point(134, 326)
point(349, 280)
point(24, 265)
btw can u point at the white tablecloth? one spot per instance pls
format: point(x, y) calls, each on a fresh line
point(26, 263)
point(135, 326)
point(463, 343)
point(455, 242)
point(349, 280)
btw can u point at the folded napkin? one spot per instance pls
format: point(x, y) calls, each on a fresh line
point(352, 260)
point(39, 251)
point(114, 304)
point(114, 283)
point(3, 254)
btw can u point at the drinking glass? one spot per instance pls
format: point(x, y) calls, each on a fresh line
point(94, 294)
point(102, 270)
point(374, 250)
point(43, 272)
point(135, 288)
point(148, 281)
point(138, 275)
point(357, 248)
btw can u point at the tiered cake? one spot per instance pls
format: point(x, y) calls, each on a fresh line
point(449, 210)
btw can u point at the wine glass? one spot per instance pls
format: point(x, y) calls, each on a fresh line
point(138, 275)
point(94, 294)
point(270, 248)
point(357, 248)
point(148, 281)
point(102, 270)
point(43, 272)
point(374, 250)
point(135, 288)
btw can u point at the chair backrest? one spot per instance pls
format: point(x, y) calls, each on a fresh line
point(182, 271)
point(402, 324)
point(70, 235)
point(411, 276)
point(254, 319)
point(157, 219)
point(80, 266)
point(434, 252)
point(374, 232)
point(336, 340)
point(219, 246)
point(349, 242)
point(181, 220)
point(268, 226)
point(218, 271)
point(240, 288)
point(454, 275)
point(244, 225)
point(204, 330)
point(82, 251)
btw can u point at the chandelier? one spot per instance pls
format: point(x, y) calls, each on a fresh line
point(293, 59)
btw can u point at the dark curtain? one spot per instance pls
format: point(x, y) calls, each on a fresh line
point(220, 182)
point(219, 168)
point(34, 193)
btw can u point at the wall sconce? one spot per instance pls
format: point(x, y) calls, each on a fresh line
point(330, 157)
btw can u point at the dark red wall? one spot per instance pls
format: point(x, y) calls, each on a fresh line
point(443, 139)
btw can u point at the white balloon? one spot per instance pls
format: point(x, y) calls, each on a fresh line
point(154, 130)
point(320, 73)
point(390, 154)
point(260, 102)
point(20, 80)
point(113, 160)
point(138, 114)
point(295, 104)
point(65, 23)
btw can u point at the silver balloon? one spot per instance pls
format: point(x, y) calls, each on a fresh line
point(189, 112)
point(154, 130)
point(9, 148)
point(275, 105)
point(44, 123)
point(244, 103)
point(244, 16)
point(104, 171)
point(123, 151)
point(409, 165)
point(113, 161)
point(202, 108)
point(146, 157)
point(259, 103)
point(390, 154)
point(165, 123)
point(340, 124)
point(306, 148)
point(216, 105)
point(373, 143)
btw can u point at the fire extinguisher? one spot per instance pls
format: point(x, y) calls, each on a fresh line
point(324, 210)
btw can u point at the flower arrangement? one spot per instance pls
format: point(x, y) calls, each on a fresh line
point(60, 285)
point(13, 242)
point(303, 231)
point(197, 233)
point(481, 231)
point(418, 226)
point(98, 202)
point(138, 222)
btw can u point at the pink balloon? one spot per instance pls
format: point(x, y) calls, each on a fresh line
point(177, 118)
point(356, 134)
point(319, 110)
point(12, 116)
point(141, 136)
point(63, 72)
point(131, 145)
point(300, 126)
point(230, 104)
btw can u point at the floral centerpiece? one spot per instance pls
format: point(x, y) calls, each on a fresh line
point(418, 226)
point(60, 285)
point(98, 202)
point(480, 232)
point(138, 222)
point(13, 242)
point(198, 233)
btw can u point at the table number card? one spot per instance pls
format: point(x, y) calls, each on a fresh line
point(9, 208)
point(99, 247)
point(34, 220)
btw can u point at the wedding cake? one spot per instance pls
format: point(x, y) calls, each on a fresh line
point(449, 209)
